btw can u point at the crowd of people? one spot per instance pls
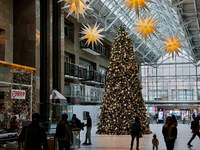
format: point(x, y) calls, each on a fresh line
point(33, 137)
point(169, 132)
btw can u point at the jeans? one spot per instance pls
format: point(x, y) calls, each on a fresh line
point(132, 140)
point(64, 144)
point(170, 144)
point(88, 134)
point(193, 136)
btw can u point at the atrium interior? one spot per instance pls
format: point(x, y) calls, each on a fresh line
point(111, 58)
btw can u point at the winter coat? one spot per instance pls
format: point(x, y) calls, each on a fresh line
point(36, 136)
point(68, 131)
point(173, 131)
point(135, 128)
point(89, 122)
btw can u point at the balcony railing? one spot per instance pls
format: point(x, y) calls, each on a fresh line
point(78, 93)
point(101, 49)
point(84, 74)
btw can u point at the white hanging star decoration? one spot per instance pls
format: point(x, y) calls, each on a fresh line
point(92, 34)
point(172, 45)
point(130, 3)
point(146, 26)
point(77, 6)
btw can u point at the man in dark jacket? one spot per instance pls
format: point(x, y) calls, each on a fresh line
point(135, 128)
point(64, 142)
point(33, 135)
point(89, 127)
point(195, 130)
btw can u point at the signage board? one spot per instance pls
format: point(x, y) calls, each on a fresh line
point(160, 114)
point(18, 94)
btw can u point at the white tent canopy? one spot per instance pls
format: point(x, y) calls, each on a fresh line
point(57, 95)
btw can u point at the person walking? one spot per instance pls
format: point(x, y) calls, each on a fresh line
point(169, 131)
point(174, 120)
point(33, 135)
point(64, 133)
point(155, 142)
point(89, 127)
point(135, 128)
point(195, 130)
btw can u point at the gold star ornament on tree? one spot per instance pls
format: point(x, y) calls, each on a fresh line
point(172, 44)
point(130, 3)
point(146, 27)
point(92, 34)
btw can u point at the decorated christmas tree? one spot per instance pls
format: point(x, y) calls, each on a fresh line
point(123, 96)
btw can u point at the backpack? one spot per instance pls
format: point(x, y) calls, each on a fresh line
point(60, 131)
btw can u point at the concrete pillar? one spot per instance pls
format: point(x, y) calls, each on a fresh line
point(6, 23)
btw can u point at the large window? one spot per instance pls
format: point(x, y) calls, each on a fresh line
point(172, 80)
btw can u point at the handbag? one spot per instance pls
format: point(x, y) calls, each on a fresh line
point(140, 134)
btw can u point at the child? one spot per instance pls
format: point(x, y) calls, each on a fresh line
point(155, 142)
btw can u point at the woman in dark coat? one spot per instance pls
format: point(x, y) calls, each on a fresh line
point(170, 133)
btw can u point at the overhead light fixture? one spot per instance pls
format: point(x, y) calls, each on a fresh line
point(146, 26)
point(92, 34)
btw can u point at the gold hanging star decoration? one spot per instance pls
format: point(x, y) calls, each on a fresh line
point(130, 3)
point(92, 34)
point(146, 27)
point(173, 45)
point(77, 6)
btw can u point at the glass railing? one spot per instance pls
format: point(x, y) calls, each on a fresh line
point(84, 74)
point(76, 93)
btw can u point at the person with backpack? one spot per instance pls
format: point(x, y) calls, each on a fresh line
point(64, 133)
point(89, 127)
point(33, 135)
point(135, 128)
point(169, 131)
point(195, 130)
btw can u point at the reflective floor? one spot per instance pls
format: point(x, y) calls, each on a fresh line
point(122, 142)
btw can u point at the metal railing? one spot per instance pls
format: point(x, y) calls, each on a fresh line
point(101, 49)
point(84, 74)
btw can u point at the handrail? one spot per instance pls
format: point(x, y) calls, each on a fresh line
point(84, 74)
point(16, 66)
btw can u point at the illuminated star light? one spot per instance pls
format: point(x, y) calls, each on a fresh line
point(172, 45)
point(92, 34)
point(130, 3)
point(78, 9)
point(146, 27)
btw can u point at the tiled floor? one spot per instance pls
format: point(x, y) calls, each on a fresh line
point(122, 142)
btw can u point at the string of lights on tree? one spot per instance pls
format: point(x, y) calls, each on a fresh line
point(123, 96)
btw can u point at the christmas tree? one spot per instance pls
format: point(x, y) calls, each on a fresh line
point(123, 96)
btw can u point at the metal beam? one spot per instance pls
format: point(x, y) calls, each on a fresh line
point(191, 20)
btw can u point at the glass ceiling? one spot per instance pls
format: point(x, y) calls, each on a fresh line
point(110, 14)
